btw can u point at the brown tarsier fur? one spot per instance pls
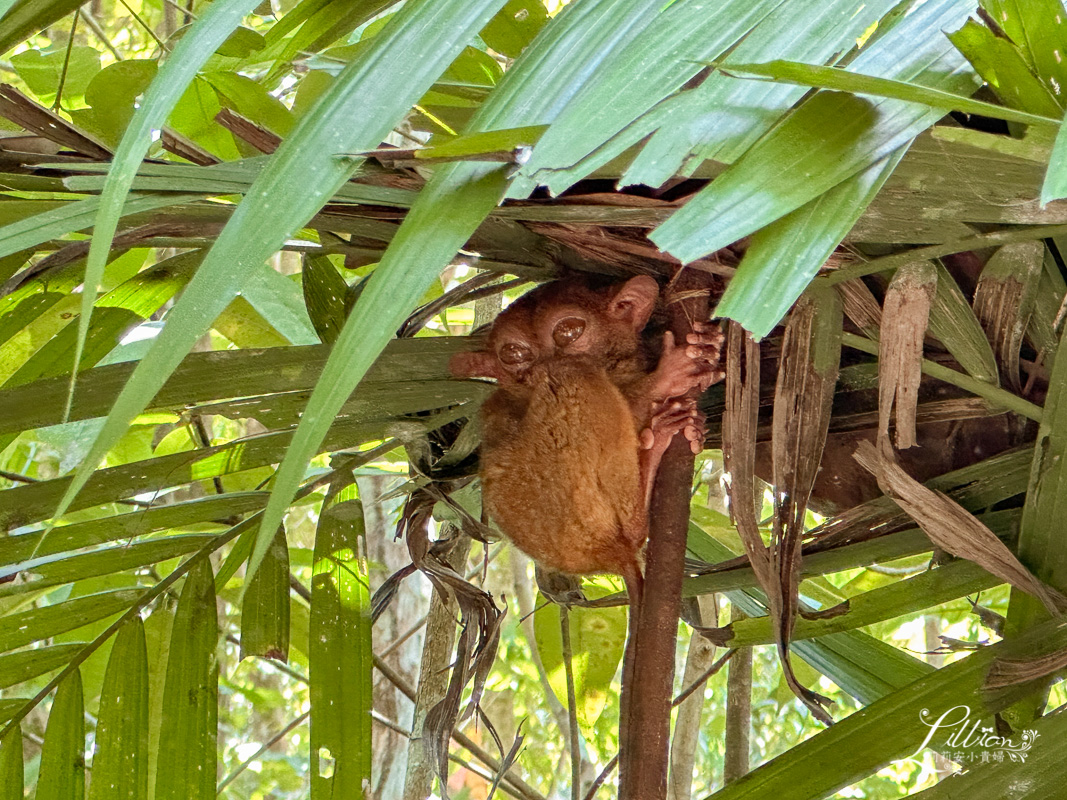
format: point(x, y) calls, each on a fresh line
point(585, 408)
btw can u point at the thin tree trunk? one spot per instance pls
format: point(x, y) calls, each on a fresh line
point(932, 634)
point(738, 711)
point(699, 659)
point(644, 724)
point(433, 680)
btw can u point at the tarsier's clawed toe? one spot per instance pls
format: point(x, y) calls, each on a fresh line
point(704, 345)
point(696, 430)
point(705, 342)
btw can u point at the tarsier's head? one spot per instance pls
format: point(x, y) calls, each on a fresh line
point(569, 317)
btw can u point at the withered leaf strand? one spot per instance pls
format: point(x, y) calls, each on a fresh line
point(951, 527)
point(904, 320)
point(1004, 302)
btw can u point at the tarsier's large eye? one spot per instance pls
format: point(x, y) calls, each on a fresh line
point(515, 353)
point(568, 330)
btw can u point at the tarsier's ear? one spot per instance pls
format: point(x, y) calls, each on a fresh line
point(635, 301)
point(475, 365)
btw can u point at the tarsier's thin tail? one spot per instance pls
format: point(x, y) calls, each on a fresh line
point(635, 588)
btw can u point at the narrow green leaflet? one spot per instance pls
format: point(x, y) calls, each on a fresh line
point(278, 299)
point(24, 18)
point(187, 739)
point(475, 144)
point(33, 502)
point(324, 297)
point(36, 624)
point(10, 707)
point(784, 256)
point(26, 664)
point(377, 88)
point(265, 609)
point(723, 116)
point(1036, 26)
point(196, 380)
point(1041, 772)
point(62, 775)
point(827, 139)
point(340, 651)
point(157, 629)
point(120, 760)
point(121, 309)
point(997, 397)
point(193, 49)
point(953, 322)
point(1003, 66)
point(888, 729)
point(1040, 535)
point(863, 666)
point(75, 216)
point(106, 561)
point(1055, 185)
point(232, 177)
point(910, 596)
point(11, 770)
point(635, 77)
point(846, 81)
point(124, 526)
point(515, 26)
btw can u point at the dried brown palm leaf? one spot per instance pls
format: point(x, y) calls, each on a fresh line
point(1004, 302)
point(900, 351)
point(480, 629)
point(980, 485)
point(740, 422)
point(34, 117)
point(184, 147)
point(1008, 672)
point(861, 307)
point(803, 399)
point(951, 527)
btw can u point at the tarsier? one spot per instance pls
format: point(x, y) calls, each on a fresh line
point(585, 408)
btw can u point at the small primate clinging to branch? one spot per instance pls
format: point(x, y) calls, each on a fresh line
point(586, 405)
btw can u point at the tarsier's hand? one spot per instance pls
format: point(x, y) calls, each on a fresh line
point(694, 365)
point(680, 415)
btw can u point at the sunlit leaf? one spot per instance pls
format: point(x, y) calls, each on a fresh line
point(187, 740)
point(120, 761)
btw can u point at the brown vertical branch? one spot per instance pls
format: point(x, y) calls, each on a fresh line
point(572, 704)
point(433, 680)
point(698, 661)
point(645, 734)
point(738, 712)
